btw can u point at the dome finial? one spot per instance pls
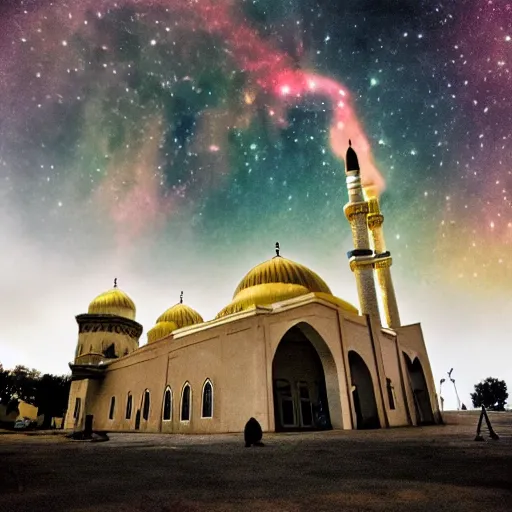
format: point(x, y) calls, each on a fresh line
point(277, 249)
point(115, 282)
point(181, 297)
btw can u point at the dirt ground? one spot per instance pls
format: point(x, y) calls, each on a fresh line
point(437, 468)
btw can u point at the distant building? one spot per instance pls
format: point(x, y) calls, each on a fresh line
point(22, 410)
point(285, 351)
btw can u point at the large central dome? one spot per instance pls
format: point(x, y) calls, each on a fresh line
point(273, 281)
point(283, 271)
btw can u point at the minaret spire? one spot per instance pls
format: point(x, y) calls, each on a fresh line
point(351, 162)
point(361, 257)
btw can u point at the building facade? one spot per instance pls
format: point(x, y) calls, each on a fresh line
point(285, 351)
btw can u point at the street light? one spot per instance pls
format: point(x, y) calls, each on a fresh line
point(454, 387)
point(441, 399)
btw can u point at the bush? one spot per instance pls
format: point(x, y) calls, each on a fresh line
point(491, 393)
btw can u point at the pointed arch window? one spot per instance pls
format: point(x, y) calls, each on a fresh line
point(207, 401)
point(186, 399)
point(129, 405)
point(146, 405)
point(112, 408)
point(167, 404)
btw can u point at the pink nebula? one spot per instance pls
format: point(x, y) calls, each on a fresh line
point(295, 85)
point(275, 73)
point(132, 190)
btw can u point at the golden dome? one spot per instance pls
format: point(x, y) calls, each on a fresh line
point(161, 330)
point(180, 315)
point(113, 302)
point(277, 280)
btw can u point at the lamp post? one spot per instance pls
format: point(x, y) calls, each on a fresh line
point(441, 399)
point(454, 387)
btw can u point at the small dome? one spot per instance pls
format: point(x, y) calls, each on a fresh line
point(113, 302)
point(182, 315)
point(161, 330)
point(274, 281)
point(174, 318)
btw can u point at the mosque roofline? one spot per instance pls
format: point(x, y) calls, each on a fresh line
point(302, 300)
point(402, 327)
point(184, 332)
point(388, 330)
point(87, 371)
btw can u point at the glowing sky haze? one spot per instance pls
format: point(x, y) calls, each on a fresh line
point(171, 143)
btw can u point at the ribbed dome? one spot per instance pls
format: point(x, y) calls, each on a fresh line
point(174, 318)
point(113, 302)
point(181, 315)
point(284, 271)
point(161, 330)
point(273, 281)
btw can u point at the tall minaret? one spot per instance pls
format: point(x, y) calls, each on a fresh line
point(382, 264)
point(361, 257)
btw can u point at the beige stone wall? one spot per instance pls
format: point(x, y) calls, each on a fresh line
point(231, 356)
point(78, 389)
point(357, 338)
point(144, 369)
point(410, 340)
point(397, 417)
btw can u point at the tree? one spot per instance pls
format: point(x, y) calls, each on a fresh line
point(49, 393)
point(18, 384)
point(491, 393)
point(51, 397)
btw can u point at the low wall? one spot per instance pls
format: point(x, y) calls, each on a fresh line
point(498, 419)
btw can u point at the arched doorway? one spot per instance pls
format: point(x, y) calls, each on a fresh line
point(418, 383)
point(363, 394)
point(301, 396)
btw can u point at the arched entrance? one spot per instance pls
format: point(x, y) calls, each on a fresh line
point(363, 394)
point(302, 398)
point(418, 383)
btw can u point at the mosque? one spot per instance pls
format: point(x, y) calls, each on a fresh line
point(285, 351)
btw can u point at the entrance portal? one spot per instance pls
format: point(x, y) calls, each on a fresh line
point(300, 396)
point(422, 405)
point(363, 395)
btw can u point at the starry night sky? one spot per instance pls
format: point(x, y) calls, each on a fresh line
point(170, 143)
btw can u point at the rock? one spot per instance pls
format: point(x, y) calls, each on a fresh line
point(253, 433)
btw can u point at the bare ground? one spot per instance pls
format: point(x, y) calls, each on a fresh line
point(437, 468)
